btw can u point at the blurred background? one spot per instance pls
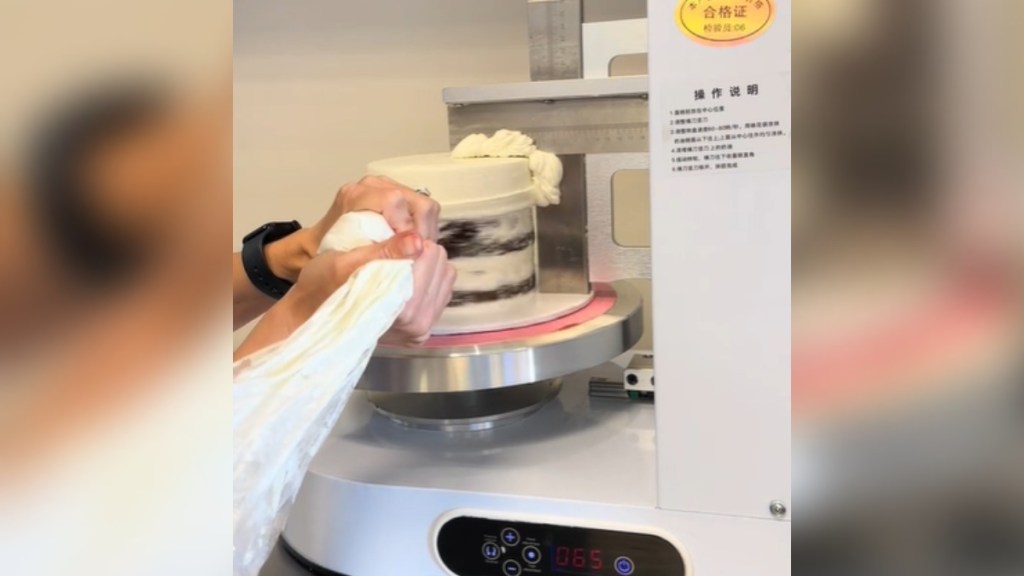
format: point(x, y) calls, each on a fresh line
point(908, 247)
point(115, 398)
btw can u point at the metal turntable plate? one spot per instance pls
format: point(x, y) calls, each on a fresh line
point(609, 326)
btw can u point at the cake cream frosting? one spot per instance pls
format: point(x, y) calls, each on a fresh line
point(488, 189)
point(545, 167)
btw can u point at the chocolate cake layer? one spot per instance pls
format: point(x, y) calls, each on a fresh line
point(470, 238)
point(494, 256)
point(502, 293)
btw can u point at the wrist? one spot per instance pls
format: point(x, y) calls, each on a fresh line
point(288, 256)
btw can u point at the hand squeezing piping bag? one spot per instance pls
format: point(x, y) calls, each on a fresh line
point(288, 397)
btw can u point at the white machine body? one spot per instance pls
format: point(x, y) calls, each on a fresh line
point(721, 269)
point(377, 496)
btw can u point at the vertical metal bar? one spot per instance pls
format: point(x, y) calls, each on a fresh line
point(556, 53)
point(556, 39)
point(562, 234)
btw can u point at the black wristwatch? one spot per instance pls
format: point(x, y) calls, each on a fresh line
point(255, 261)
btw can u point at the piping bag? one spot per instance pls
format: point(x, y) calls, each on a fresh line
point(288, 397)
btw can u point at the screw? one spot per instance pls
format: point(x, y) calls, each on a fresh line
point(632, 379)
point(778, 509)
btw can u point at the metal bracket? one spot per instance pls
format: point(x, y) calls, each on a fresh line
point(566, 115)
point(556, 39)
point(584, 126)
point(639, 375)
point(562, 234)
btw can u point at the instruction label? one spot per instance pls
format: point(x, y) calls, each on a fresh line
point(730, 126)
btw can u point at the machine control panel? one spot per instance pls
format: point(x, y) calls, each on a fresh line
point(470, 546)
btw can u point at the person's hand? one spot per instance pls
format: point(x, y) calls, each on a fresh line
point(403, 208)
point(329, 271)
point(433, 278)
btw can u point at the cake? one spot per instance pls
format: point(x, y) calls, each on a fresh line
point(488, 189)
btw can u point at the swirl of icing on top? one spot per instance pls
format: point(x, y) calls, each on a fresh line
point(509, 144)
point(472, 146)
point(545, 168)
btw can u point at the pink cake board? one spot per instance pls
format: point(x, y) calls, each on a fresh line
point(592, 306)
point(544, 308)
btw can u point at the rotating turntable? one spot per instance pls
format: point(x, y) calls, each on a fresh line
point(479, 380)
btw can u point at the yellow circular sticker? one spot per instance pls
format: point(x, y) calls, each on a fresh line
point(724, 22)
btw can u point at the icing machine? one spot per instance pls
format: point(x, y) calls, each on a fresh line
point(550, 449)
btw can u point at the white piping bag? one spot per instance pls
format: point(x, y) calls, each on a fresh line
point(288, 397)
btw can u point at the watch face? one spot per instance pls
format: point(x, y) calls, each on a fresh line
point(289, 226)
point(274, 230)
point(255, 233)
point(279, 230)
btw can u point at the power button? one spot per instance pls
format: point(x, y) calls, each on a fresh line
point(624, 565)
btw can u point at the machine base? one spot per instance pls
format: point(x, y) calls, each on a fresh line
point(377, 493)
point(465, 411)
point(306, 565)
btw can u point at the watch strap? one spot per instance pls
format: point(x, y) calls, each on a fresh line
point(254, 259)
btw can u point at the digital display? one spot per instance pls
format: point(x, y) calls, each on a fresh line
point(482, 547)
point(582, 559)
point(577, 559)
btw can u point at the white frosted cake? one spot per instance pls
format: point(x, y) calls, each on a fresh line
point(488, 189)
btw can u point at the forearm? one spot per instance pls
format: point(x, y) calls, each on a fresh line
point(249, 302)
point(276, 325)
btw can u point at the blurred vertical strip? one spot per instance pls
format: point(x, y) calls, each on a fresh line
point(115, 243)
point(908, 372)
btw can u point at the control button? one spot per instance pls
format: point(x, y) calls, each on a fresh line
point(531, 554)
point(624, 566)
point(510, 536)
point(511, 568)
point(491, 551)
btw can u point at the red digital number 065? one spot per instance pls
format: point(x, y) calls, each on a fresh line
point(578, 558)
